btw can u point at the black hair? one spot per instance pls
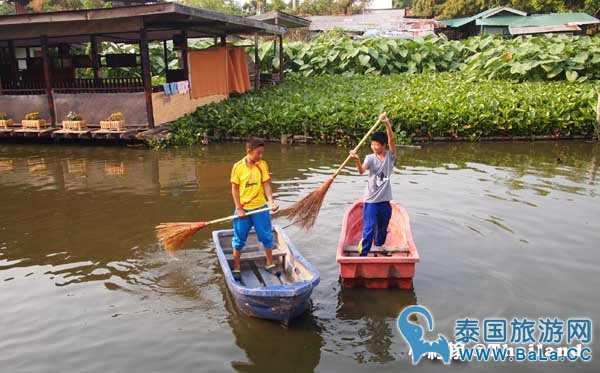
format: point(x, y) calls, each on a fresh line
point(380, 137)
point(254, 143)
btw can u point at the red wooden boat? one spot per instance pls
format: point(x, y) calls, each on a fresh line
point(392, 266)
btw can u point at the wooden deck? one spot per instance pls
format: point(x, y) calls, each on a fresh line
point(30, 132)
point(58, 133)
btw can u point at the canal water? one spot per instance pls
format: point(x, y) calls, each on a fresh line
point(504, 230)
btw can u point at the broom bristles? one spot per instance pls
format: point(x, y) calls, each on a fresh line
point(305, 212)
point(174, 235)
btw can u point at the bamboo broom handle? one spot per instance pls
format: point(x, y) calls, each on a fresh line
point(231, 217)
point(365, 137)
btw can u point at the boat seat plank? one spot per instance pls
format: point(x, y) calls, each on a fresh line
point(403, 254)
point(268, 278)
point(254, 256)
point(248, 248)
point(354, 249)
point(249, 279)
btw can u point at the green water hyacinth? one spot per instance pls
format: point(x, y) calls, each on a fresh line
point(372, 56)
point(545, 57)
point(338, 109)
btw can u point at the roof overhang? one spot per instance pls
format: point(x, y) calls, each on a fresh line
point(543, 29)
point(459, 22)
point(282, 19)
point(505, 9)
point(584, 23)
point(160, 20)
point(539, 20)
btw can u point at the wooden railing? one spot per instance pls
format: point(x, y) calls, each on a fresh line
point(86, 85)
point(23, 87)
point(100, 85)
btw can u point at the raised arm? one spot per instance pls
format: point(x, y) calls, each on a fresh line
point(390, 133)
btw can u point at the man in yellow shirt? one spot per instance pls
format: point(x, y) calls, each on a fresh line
point(251, 190)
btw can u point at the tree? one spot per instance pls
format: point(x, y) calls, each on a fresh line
point(331, 7)
point(466, 8)
point(540, 6)
point(38, 6)
point(425, 8)
point(445, 9)
point(225, 6)
point(403, 4)
point(280, 5)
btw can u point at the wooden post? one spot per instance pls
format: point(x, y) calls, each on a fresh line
point(166, 57)
point(256, 64)
point(146, 76)
point(598, 109)
point(224, 45)
point(48, 79)
point(226, 62)
point(184, 55)
point(598, 119)
point(14, 66)
point(280, 58)
point(94, 56)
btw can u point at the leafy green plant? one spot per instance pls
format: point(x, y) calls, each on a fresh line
point(32, 116)
point(73, 116)
point(545, 57)
point(340, 109)
point(115, 116)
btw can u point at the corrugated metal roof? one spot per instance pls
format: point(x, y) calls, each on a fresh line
point(128, 19)
point(372, 19)
point(276, 17)
point(458, 22)
point(543, 29)
point(380, 23)
point(553, 19)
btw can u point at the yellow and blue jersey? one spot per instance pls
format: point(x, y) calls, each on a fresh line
point(250, 180)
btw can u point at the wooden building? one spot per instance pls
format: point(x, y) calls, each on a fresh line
point(511, 22)
point(41, 54)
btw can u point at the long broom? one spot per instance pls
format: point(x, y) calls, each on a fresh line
point(175, 235)
point(305, 212)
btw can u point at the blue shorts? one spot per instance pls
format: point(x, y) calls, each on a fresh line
point(376, 218)
point(261, 223)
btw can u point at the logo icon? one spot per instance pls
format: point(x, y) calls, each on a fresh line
point(413, 334)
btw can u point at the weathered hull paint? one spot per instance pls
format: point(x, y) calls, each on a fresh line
point(382, 271)
point(281, 303)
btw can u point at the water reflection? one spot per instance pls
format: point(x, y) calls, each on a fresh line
point(493, 222)
point(269, 347)
point(81, 193)
point(367, 323)
point(567, 165)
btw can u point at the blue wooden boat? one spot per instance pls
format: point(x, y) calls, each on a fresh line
point(260, 293)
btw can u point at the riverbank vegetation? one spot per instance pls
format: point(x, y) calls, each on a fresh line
point(546, 57)
point(481, 87)
point(340, 109)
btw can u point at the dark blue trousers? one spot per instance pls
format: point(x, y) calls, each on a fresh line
point(376, 217)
